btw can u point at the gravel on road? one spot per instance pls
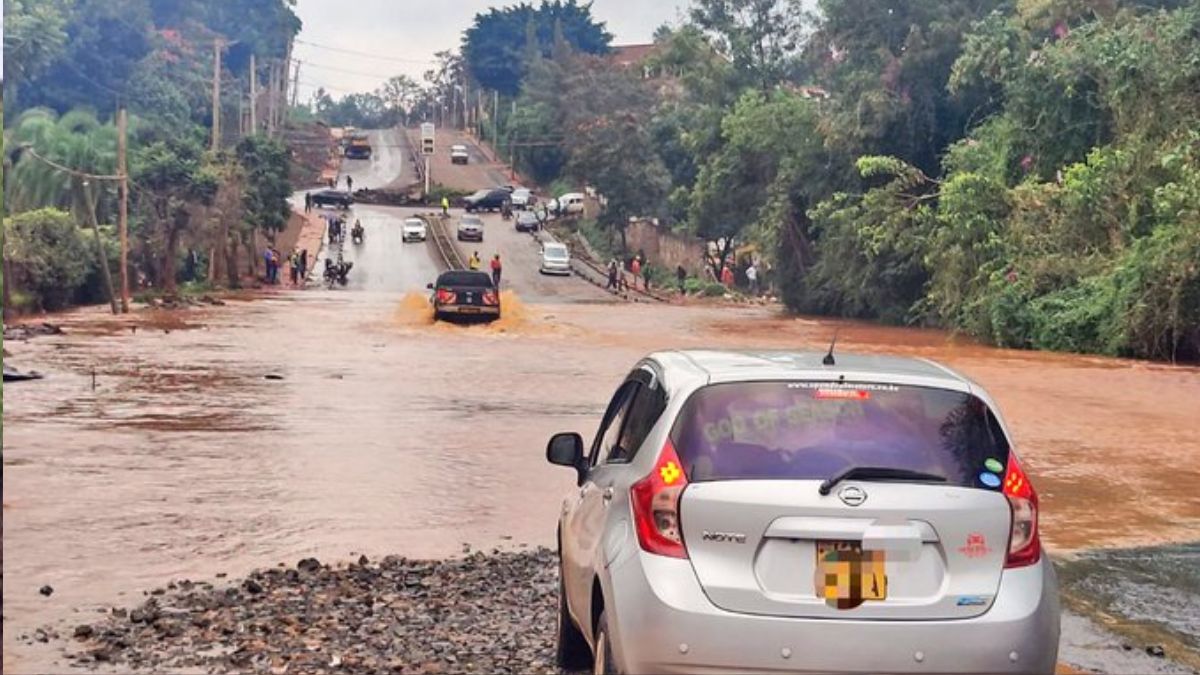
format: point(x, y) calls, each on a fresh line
point(475, 614)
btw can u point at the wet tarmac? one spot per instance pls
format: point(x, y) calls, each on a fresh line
point(332, 423)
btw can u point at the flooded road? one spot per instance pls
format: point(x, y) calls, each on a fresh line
point(332, 423)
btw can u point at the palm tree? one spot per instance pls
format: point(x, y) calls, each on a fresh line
point(78, 141)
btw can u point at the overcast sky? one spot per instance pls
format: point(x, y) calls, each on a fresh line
point(406, 33)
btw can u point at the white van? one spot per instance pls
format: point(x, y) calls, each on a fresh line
point(569, 204)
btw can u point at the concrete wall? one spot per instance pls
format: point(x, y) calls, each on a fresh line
point(665, 248)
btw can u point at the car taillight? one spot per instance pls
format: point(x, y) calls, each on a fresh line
point(490, 298)
point(655, 502)
point(444, 295)
point(1024, 544)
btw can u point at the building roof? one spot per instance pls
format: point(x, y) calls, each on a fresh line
point(631, 55)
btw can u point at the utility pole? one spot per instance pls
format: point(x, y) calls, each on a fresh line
point(216, 102)
point(272, 85)
point(123, 213)
point(496, 121)
point(253, 95)
point(101, 258)
point(296, 84)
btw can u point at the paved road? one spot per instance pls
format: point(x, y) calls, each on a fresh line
point(389, 164)
point(521, 256)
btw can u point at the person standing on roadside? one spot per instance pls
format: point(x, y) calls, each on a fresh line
point(445, 205)
point(646, 275)
point(635, 268)
point(727, 276)
point(307, 202)
point(294, 267)
point(474, 262)
point(497, 268)
point(267, 263)
point(681, 277)
point(349, 184)
point(276, 260)
point(752, 277)
point(613, 270)
point(303, 264)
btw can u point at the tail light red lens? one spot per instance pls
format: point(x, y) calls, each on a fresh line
point(490, 298)
point(1024, 544)
point(445, 295)
point(655, 501)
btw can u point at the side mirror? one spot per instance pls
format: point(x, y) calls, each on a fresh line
point(429, 286)
point(566, 449)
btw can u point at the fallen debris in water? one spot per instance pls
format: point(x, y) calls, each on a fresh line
point(13, 375)
point(26, 331)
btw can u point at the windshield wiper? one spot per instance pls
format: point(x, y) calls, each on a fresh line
point(882, 472)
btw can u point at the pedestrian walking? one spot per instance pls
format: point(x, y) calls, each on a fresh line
point(307, 202)
point(681, 277)
point(332, 183)
point(496, 269)
point(752, 277)
point(303, 264)
point(613, 270)
point(474, 263)
point(349, 184)
point(294, 267)
point(727, 276)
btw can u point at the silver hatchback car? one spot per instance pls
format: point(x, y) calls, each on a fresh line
point(759, 512)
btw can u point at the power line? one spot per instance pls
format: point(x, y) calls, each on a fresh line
point(366, 54)
point(344, 70)
point(67, 169)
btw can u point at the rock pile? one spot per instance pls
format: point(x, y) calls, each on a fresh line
point(476, 614)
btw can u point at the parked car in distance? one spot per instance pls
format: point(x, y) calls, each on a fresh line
point(486, 200)
point(523, 198)
point(470, 228)
point(527, 221)
point(332, 198)
point(464, 294)
point(459, 154)
point(556, 258)
point(413, 230)
point(567, 205)
point(770, 511)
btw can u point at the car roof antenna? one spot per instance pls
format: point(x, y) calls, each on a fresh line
point(828, 360)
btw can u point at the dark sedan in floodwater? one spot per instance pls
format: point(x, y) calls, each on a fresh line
point(466, 295)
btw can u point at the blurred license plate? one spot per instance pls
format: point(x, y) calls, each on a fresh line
point(847, 575)
point(469, 310)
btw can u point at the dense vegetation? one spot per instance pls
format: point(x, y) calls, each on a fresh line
point(67, 67)
point(1024, 171)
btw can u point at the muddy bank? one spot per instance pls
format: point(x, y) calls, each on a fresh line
point(476, 614)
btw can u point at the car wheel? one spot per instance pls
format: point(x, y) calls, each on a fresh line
point(602, 661)
point(572, 652)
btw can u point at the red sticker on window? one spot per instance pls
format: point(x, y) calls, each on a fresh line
point(842, 394)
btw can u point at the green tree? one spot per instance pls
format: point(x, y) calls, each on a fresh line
point(761, 37)
point(35, 38)
point(496, 56)
point(170, 182)
point(44, 254)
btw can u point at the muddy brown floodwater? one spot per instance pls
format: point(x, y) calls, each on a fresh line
point(388, 434)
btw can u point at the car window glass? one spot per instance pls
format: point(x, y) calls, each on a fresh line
point(610, 431)
point(647, 406)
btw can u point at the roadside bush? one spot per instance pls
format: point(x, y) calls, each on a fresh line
point(692, 285)
point(46, 256)
point(713, 290)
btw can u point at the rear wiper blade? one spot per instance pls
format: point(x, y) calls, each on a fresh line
point(883, 472)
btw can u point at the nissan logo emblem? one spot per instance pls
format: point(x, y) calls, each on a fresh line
point(852, 496)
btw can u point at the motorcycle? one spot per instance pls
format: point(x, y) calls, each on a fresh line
point(337, 273)
point(357, 234)
point(506, 211)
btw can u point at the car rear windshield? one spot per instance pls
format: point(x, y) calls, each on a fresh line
point(556, 253)
point(464, 278)
point(813, 430)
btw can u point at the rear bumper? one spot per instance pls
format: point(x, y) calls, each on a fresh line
point(662, 622)
point(414, 236)
point(469, 310)
point(556, 269)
